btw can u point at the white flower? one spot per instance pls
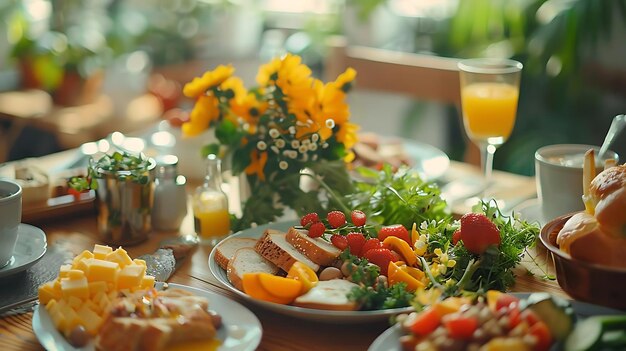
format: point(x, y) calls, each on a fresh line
point(330, 123)
point(246, 127)
point(262, 130)
point(275, 149)
point(325, 146)
point(280, 143)
point(305, 157)
point(290, 153)
point(315, 137)
point(312, 147)
point(303, 149)
point(292, 130)
point(314, 158)
point(306, 142)
point(283, 165)
point(274, 133)
point(295, 144)
point(261, 145)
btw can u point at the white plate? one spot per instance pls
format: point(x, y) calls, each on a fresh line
point(388, 340)
point(30, 247)
point(306, 313)
point(428, 160)
point(241, 329)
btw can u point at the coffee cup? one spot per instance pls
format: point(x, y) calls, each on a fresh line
point(559, 177)
point(10, 218)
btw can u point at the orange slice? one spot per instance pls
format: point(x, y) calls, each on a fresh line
point(252, 286)
point(280, 287)
point(304, 274)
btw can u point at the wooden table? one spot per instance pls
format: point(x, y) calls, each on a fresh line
point(280, 332)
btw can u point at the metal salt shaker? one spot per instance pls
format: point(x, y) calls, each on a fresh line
point(170, 196)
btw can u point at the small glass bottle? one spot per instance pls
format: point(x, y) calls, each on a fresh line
point(170, 196)
point(210, 205)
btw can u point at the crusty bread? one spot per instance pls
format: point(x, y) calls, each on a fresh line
point(274, 247)
point(246, 260)
point(225, 250)
point(328, 295)
point(318, 250)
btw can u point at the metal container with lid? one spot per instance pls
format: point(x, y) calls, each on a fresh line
point(170, 196)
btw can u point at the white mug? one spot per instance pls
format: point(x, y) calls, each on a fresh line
point(559, 177)
point(10, 218)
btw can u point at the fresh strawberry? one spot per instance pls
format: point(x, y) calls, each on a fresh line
point(356, 242)
point(336, 219)
point(370, 244)
point(309, 219)
point(456, 236)
point(317, 229)
point(478, 233)
point(380, 257)
point(358, 218)
point(339, 241)
point(394, 230)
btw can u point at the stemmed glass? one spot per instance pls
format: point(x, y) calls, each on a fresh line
point(489, 94)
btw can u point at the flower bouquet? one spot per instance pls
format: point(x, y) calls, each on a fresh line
point(290, 126)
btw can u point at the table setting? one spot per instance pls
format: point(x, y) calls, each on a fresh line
point(304, 233)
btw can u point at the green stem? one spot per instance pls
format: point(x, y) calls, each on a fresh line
point(469, 272)
point(429, 274)
point(336, 197)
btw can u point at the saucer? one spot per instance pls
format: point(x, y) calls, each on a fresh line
point(530, 211)
point(29, 248)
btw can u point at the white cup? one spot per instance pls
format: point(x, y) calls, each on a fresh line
point(559, 177)
point(10, 218)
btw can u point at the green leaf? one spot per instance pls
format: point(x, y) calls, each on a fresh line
point(226, 132)
point(210, 149)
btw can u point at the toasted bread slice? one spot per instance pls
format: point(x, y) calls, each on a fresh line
point(225, 250)
point(318, 250)
point(246, 260)
point(328, 295)
point(274, 247)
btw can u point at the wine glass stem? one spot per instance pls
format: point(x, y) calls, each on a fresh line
point(486, 159)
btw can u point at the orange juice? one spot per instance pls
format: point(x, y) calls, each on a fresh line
point(489, 111)
point(212, 223)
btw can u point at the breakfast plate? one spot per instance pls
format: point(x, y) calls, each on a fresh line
point(428, 160)
point(241, 330)
point(388, 340)
point(30, 247)
point(300, 312)
point(530, 211)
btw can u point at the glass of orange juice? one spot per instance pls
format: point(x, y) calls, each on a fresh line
point(489, 95)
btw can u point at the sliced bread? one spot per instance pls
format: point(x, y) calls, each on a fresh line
point(274, 247)
point(318, 250)
point(328, 295)
point(225, 250)
point(246, 260)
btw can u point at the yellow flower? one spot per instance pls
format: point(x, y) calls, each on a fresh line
point(257, 164)
point(210, 79)
point(347, 134)
point(249, 107)
point(343, 80)
point(266, 71)
point(204, 112)
point(235, 84)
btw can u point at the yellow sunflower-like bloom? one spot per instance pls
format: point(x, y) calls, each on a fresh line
point(263, 77)
point(347, 134)
point(235, 84)
point(257, 164)
point(203, 113)
point(249, 107)
point(329, 108)
point(294, 79)
point(343, 80)
point(199, 85)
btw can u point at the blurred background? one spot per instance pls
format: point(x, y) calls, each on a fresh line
point(74, 71)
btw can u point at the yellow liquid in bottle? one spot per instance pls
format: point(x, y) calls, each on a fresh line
point(212, 223)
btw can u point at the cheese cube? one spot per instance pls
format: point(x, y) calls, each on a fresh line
point(130, 276)
point(51, 305)
point(75, 287)
point(58, 319)
point(147, 282)
point(101, 251)
point(100, 270)
point(139, 262)
point(75, 274)
point(74, 302)
point(96, 287)
point(104, 302)
point(120, 256)
point(70, 316)
point(81, 266)
point(83, 255)
point(89, 319)
point(64, 269)
point(47, 293)
point(92, 306)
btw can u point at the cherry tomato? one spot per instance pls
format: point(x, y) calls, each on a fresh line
point(426, 322)
point(541, 332)
point(505, 300)
point(459, 326)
